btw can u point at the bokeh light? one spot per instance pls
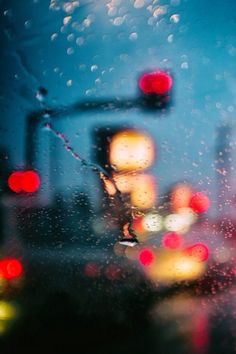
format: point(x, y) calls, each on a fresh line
point(15, 181)
point(146, 257)
point(172, 240)
point(152, 222)
point(158, 82)
point(131, 150)
point(24, 181)
point(198, 251)
point(10, 268)
point(199, 202)
point(180, 197)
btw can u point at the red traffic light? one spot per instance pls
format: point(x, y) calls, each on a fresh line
point(199, 202)
point(24, 181)
point(158, 82)
point(10, 268)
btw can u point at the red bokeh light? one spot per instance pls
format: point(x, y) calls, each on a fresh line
point(146, 257)
point(199, 202)
point(24, 181)
point(10, 268)
point(172, 240)
point(30, 181)
point(157, 82)
point(199, 251)
point(15, 181)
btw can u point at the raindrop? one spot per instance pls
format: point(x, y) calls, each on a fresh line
point(138, 4)
point(94, 68)
point(118, 21)
point(69, 83)
point(133, 36)
point(174, 18)
point(70, 51)
point(41, 93)
point(184, 65)
point(54, 36)
point(80, 41)
point(170, 38)
point(28, 24)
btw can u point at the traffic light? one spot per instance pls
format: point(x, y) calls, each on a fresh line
point(155, 89)
point(23, 181)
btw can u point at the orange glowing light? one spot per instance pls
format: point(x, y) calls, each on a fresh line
point(131, 150)
point(198, 251)
point(143, 195)
point(180, 197)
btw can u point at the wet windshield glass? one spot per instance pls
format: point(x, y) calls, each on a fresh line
point(117, 162)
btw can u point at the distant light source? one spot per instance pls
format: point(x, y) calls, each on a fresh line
point(180, 197)
point(158, 82)
point(131, 150)
point(176, 222)
point(146, 257)
point(15, 181)
point(152, 222)
point(10, 268)
point(30, 181)
point(198, 251)
point(24, 181)
point(199, 202)
point(172, 240)
point(143, 194)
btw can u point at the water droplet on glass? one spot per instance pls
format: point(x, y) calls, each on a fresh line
point(184, 65)
point(66, 20)
point(133, 36)
point(94, 68)
point(70, 51)
point(175, 18)
point(118, 21)
point(69, 83)
point(70, 37)
point(41, 93)
point(28, 24)
point(54, 36)
point(80, 41)
point(170, 38)
point(138, 4)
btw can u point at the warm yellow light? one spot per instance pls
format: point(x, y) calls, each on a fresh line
point(143, 194)
point(152, 222)
point(172, 266)
point(180, 197)
point(177, 223)
point(7, 311)
point(124, 182)
point(131, 150)
point(188, 214)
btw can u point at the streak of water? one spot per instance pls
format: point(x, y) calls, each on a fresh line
point(129, 237)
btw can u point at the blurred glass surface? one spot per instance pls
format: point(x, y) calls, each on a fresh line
point(117, 170)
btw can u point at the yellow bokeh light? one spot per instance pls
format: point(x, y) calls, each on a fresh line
point(180, 196)
point(173, 266)
point(7, 311)
point(177, 223)
point(152, 222)
point(143, 194)
point(131, 150)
